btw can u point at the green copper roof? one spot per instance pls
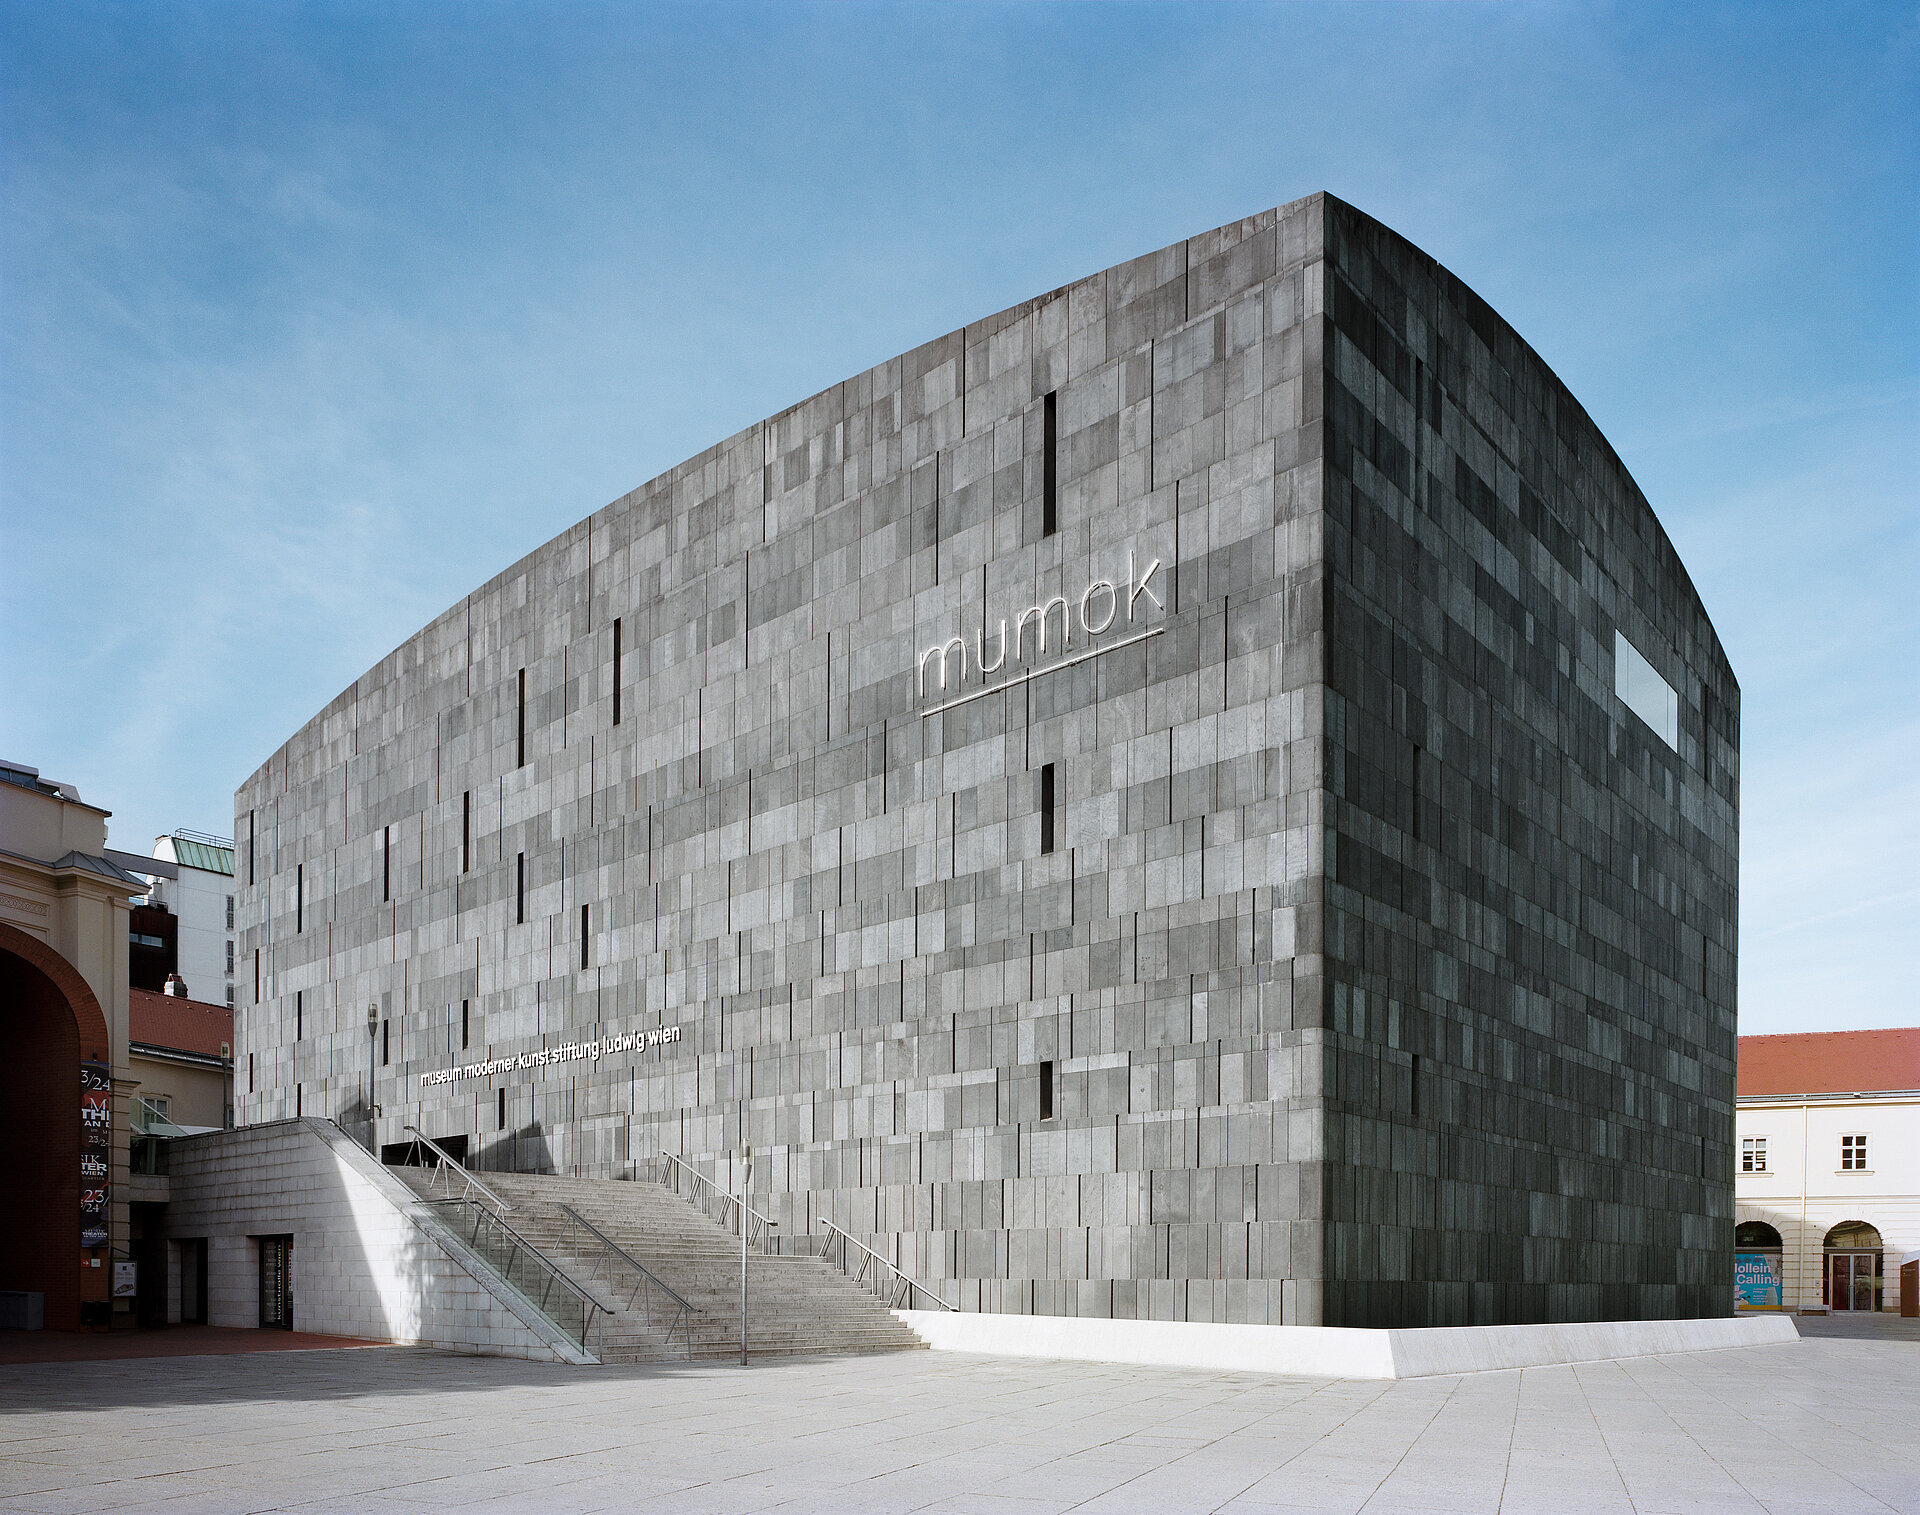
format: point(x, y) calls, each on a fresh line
point(203, 855)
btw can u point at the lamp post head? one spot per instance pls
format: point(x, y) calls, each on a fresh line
point(373, 1019)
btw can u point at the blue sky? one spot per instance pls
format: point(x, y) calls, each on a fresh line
point(315, 316)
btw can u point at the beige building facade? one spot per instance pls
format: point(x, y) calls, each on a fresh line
point(65, 1079)
point(1827, 1184)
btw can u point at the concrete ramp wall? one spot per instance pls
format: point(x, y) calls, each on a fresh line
point(368, 1259)
point(1332, 1351)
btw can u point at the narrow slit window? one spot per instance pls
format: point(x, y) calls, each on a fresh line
point(253, 828)
point(1413, 1087)
point(500, 1104)
point(1047, 808)
point(616, 670)
point(520, 724)
point(299, 1013)
point(1049, 467)
point(466, 832)
point(299, 897)
point(584, 939)
point(520, 888)
point(386, 862)
point(249, 1073)
point(466, 1023)
point(1046, 1090)
point(256, 975)
point(299, 1100)
point(386, 1042)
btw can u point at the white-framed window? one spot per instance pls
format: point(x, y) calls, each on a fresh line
point(229, 912)
point(1853, 1154)
point(1753, 1154)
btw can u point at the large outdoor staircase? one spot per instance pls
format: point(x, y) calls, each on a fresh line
point(665, 1278)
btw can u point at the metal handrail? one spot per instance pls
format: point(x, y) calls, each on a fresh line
point(449, 1162)
point(609, 1249)
point(903, 1285)
point(548, 1268)
point(760, 1230)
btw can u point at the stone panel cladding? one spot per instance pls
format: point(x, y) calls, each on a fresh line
point(1532, 899)
point(844, 905)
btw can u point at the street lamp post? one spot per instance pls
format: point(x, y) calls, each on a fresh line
point(373, 1109)
point(746, 1177)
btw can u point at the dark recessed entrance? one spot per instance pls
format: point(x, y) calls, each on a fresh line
point(414, 1155)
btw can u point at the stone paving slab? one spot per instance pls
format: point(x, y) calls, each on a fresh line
point(1817, 1425)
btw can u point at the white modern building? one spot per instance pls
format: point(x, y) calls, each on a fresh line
point(1827, 1187)
point(198, 889)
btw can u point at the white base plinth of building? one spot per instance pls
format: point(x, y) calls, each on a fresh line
point(1332, 1351)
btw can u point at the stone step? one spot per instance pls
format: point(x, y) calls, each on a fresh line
point(798, 1305)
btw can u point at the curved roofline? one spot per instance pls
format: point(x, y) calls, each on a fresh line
point(1331, 205)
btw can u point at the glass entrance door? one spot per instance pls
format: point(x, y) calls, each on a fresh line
point(276, 1283)
point(1850, 1279)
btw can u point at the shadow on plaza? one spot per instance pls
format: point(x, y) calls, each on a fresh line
point(326, 1375)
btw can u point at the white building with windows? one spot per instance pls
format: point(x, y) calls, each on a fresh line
point(199, 892)
point(1827, 1193)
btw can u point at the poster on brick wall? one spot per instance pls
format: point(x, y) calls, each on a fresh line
point(96, 1152)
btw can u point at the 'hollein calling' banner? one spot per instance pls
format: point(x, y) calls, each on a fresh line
point(565, 1052)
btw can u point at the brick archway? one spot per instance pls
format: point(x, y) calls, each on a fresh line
point(50, 1022)
point(88, 1018)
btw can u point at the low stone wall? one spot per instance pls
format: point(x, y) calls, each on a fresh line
point(367, 1260)
point(1332, 1351)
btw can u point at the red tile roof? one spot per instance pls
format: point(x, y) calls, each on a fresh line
point(183, 1025)
point(1831, 1062)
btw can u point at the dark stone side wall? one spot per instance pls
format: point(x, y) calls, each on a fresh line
point(1529, 894)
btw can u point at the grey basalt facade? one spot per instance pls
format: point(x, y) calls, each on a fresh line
point(1316, 937)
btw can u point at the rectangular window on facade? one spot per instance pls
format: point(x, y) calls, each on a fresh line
point(249, 1073)
point(299, 1013)
point(519, 888)
point(1049, 467)
point(299, 897)
point(229, 957)
point(229, 912)
point(584, 939)
point(520, 728)
point(299, 1099)
point(252, 828)
point(1413, 1087)
point(466, 832)
point(501, 1102)
point(1644, 692)
point(386, 1042)
point(229, 996)
point(386, 862)
point(1047, 808)
point(616, 670)
point(466, 1024)
point(1046, 1090)
point(1753, 1154)
point(1853, 1154)
point(256, 975)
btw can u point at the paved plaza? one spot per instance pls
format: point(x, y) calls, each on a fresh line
point(1823, 1424)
